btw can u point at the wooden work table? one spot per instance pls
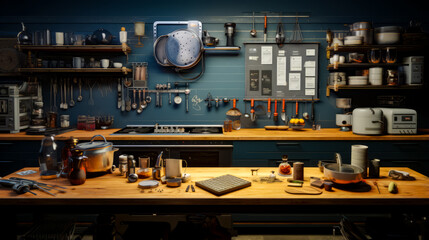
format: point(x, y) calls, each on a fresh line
point(327, 134)
point(114, 190)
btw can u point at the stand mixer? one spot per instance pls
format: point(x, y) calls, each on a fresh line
point(344, 121)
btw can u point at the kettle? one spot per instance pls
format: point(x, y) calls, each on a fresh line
point(368, 121)
point(24, 37)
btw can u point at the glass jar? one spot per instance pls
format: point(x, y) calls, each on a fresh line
point(77, 175)
point(66, 154)
point(284, 166)
point(123, 164)
point(48, 158)
point(90, 123)
point(81, 122)
point(65, 121)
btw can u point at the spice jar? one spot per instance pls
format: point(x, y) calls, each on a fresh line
point(284, 167)
point(65, 121)
point(123, 164)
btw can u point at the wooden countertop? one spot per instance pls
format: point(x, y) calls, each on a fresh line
point(111, 189)
point(327, 134)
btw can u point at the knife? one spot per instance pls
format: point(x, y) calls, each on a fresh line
point(265, 29)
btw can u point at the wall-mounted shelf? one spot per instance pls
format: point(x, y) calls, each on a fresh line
point(336, 88)
point(75, 70)
point(76, 48)
point(363, 65)
point(365, 48)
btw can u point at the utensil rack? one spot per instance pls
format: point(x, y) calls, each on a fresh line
point(281, 99)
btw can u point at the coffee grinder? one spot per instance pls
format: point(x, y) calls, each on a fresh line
point(229, 32)
point(344, 120)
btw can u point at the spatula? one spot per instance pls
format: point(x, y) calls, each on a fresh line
point(283, 113)
point(269, 108)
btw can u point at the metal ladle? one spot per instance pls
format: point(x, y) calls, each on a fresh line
point(134, 105)
point(253, 31)
point(140, 109)
point(79, 98)
point(72, 102)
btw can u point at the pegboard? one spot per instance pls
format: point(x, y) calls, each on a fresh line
point(289, 71)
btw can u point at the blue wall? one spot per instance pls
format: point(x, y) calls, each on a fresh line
point(224, 75)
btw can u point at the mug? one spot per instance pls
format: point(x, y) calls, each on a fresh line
point(77, 62)
point(105, 63)
point(173, 168)
point(59, 38)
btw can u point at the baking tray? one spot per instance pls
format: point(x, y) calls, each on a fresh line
point(223, 184)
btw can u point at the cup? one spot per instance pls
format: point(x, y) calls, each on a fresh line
point(359, 158)
point(144, 162)
point(79, 39)
point(104, 63)
point(68, 38)
point(173, 168)
point(37, 38)
point(374, 55)
point(227, 126)
point(390, 54)
point(77, 62)
point(342, 59)
point(59, 38)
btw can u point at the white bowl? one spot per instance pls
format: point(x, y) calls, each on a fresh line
point(117, 65)
point(358, 80)
point(387, 37)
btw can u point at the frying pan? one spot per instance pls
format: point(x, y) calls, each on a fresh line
point(159, 51)
point(183, 48)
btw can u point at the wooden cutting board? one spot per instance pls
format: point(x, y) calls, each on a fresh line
point(276, 127)
point(306, 190)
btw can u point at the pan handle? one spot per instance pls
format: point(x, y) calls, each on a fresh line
point(98, 135)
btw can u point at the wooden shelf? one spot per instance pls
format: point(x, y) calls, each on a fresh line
point(364, 65)
point(365, 48)
point(370, 87)
point(76, 48)
point(122, 70)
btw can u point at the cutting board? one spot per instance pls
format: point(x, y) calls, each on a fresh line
point(277, 128)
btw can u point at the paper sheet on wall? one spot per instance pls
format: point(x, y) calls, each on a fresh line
point(295, 63)
point(281, 71)
point(310, 52)
point(310, 92)
point(267, 55)
point(294, 81)
point(310, 72)
point(310, 82)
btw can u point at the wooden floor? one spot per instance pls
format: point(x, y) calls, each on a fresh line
point(287, 237)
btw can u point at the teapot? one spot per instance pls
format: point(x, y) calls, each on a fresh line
point(24, 37)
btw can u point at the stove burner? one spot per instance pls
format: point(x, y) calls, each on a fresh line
point(170, 129)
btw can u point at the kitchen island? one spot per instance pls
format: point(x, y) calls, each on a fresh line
point(112, 194)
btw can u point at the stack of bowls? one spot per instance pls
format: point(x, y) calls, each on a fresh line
point(363, 29)
point(388, 35)
point(376, 76)
point(353, 40)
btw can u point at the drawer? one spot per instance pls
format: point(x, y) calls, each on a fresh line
point(308, 146)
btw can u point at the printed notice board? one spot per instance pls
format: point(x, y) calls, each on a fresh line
point(289, 71)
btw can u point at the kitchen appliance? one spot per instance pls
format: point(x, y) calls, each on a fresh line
point(15, 108)
point(196, 153)
point(100, 155)
point(400, 120)
point(344, 120)
point(414, 70)
point(367, 121)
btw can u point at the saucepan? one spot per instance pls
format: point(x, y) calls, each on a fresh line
point(342, 173)
point(100, 155)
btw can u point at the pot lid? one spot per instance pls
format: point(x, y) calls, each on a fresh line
point(94, 145)
point(183, 48)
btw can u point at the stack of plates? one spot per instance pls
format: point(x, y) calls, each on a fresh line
point(358, 80)
point(353, 40)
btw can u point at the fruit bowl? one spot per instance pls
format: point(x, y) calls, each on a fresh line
point(296, 123)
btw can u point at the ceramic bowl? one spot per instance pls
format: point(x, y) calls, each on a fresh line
point(117, 65)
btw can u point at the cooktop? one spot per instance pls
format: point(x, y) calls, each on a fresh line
point(169, 129)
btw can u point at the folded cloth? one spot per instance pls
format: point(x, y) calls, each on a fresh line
point(400, 175)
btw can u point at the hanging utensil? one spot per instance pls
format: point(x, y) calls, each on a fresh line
point(128, 101)
point(234, 115)
point(245, 118)
point(61, 95)
point(276, 115)
point(280, 35)
point(187, 91)
point(55, 91)
point(252, 110)
point(253, 31)
point(145, 99)
point(66, 106)
point(297, 34)
point(283, 114)
point(269, 108)
point(140, 109)
point(123, 97)
point(91, 99)
point(72, 102)
point(119, 93)
point(79, 98)
point(265, 28)
point(134, 105)
point(312, 114)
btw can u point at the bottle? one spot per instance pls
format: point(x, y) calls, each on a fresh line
point(77, 175)
point(123, 35)
point(284, 167)
point(48, 158)
point(66, 154)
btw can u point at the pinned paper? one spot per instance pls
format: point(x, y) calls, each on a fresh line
point(294, 81)
point(310, 52)
point(281, 71)
point(295, 63)
point(267, 55)
point(310, 92)
point(310, 82)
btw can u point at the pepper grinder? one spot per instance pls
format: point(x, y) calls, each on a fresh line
point(157, 170)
